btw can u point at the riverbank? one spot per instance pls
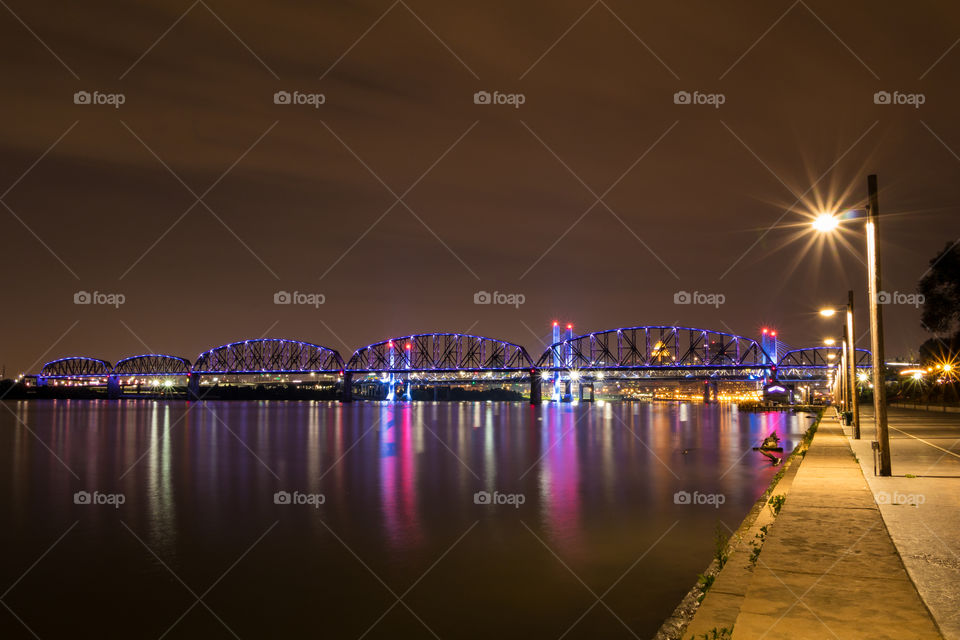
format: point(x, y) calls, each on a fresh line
point(726, 578)
point(826, 566)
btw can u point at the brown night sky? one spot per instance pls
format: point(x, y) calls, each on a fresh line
point(492, 197)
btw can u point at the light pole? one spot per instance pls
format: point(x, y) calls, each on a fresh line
point(852, 367)
point(851, 401)
point(876, 325)
point(826, 223)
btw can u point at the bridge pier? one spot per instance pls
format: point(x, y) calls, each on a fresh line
point(113, 387)
point(709, 391)
point(346, 391)
point(193, 386)
point(536, 390)
point(588, 385)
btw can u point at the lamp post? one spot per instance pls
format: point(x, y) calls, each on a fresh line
point(826, 223)
point(852, 367)
point(851, 401)
point(876, 326)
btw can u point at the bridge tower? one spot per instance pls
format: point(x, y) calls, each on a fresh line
point(568, 363)
point(768, 341)
point(555, 395)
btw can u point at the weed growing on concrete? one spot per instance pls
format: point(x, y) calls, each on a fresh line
point(776, 503)
point(757, 546)
point(723, 633)
point(720, 553)
point(704, 582)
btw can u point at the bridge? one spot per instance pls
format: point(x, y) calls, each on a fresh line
point(389, 368)
point(438, 358)
point(814, 363)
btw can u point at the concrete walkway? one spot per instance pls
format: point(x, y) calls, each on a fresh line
point(920, 503)
point(828, 568)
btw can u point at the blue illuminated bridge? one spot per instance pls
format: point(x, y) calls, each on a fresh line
point(389, 368)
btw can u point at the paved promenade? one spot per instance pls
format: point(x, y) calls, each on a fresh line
point(827, 569)
point(920, 503)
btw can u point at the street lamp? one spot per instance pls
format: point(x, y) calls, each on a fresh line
point(851, 398)
point(826, 223)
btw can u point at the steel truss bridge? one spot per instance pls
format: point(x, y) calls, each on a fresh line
point(655, 353)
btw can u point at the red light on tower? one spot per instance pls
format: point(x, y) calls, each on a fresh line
point(569, 326)
point(773, 333)
point(765, 330)
point(408, 346)
point(555, 323)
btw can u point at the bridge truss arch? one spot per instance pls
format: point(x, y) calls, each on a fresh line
point(268, 356)
point(76, 367)
point(815, 362)
point(657, 349)
point(441, 353)
point(152, 364)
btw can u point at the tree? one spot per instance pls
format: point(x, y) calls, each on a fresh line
point(940, 287)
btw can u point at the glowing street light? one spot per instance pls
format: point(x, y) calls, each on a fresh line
point(829, 342)
point(825, 222)
point(848, 378)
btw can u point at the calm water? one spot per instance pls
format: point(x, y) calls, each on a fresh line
point(398, 548)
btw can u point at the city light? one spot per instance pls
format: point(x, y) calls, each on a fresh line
point(829, 342)
point(828, 313)
point(825, 222)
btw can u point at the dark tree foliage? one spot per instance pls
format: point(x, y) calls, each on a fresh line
point(940, 288)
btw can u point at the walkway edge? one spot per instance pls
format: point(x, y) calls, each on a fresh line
point(701, 610)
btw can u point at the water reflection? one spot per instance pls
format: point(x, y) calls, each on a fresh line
point(399, 482)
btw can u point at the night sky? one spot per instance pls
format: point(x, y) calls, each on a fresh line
point(597, 199)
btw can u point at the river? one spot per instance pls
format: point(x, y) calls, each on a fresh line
point(142, 518)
